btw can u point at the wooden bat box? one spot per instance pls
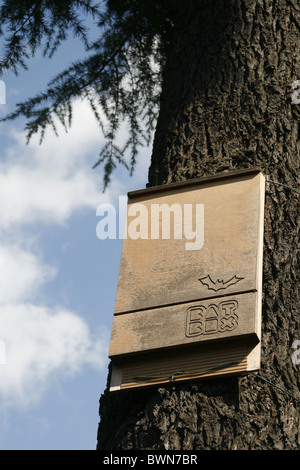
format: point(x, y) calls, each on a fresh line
point(188, 302)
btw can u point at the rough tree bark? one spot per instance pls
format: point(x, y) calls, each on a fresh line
point(226, 104)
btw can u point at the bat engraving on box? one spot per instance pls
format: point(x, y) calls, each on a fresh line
point(219, 284)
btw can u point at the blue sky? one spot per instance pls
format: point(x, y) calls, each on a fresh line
point(57, 279)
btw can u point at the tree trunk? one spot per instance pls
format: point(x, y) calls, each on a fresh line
point(227, 104)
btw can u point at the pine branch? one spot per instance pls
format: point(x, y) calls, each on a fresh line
point(26, 24)
point(117, 78)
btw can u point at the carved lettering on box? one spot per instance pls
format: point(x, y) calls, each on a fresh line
point(216, 318)
point(219, 284)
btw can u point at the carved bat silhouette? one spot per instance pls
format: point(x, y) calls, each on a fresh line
point(219, 284)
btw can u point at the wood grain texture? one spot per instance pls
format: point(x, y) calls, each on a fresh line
point(203, 321)
point(228, 358)
point(168, 296)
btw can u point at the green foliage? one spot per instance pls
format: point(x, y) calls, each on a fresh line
point(25, 23)
point(120, 75)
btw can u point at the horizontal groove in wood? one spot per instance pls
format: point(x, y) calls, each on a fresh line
point(216, 373)
point(169, 369)
point(208, 361)
point(200, 299)
point(190, 363)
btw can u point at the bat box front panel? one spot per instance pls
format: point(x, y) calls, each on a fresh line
point(185, 323)
point(191, 266)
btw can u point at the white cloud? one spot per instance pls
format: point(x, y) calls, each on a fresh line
point(30, 195)
point(21, 274)
point(41, 343)
point(43, 184)
point(49, 182)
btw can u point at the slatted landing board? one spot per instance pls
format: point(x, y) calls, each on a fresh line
point(188, 302)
